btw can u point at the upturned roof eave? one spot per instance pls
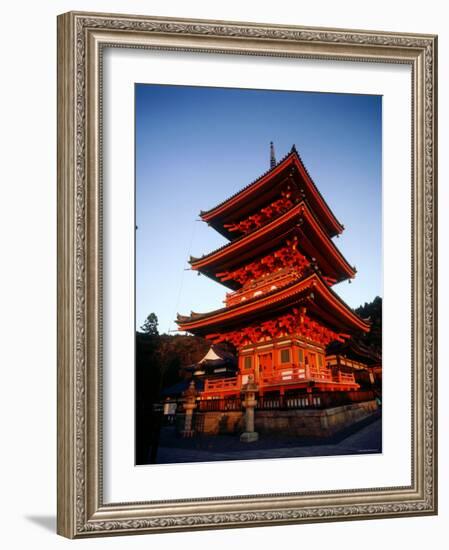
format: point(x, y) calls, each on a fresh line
point(293, 156)
point(206, 263)
point(272, 300)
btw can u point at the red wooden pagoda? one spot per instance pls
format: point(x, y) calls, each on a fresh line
point(280, 265)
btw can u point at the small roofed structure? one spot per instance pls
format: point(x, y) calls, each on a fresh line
point(216, 363)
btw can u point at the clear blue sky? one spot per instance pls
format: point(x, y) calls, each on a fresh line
point(197, 146)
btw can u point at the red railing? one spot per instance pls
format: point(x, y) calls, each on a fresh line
point(284, 376)
point(219, 405)
point(345, 378)
point(320, 374)
point(285, 403)
point(281, 377)
point(295, 373)
point(222, 384)
point(289, 401)
point(321, 400)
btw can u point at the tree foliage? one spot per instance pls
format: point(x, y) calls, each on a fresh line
point(158, 362)
point(150, 325)
point(373, 312)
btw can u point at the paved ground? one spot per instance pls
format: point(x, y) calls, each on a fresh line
point(365, 437)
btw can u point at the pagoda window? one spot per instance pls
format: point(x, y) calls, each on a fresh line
point(320, 361)
point(248, 362)
point(300, 356)
point(312, 359)
point(285, 356)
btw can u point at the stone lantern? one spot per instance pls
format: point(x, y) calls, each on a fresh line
point(249, 402)
point(189, 406)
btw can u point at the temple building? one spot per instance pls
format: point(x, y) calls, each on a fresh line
point(281, 314)
point(215, 364)
point(353, 356)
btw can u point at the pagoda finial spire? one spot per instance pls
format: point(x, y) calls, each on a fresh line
point(272, 156)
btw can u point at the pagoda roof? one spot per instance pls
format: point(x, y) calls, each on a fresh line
point(257, 193)
point(321, 300)
point(300, 220)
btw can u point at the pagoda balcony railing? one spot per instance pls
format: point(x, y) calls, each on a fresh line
point(344, 378)
point(320, 374)
point(272, 282)
point(222, 384)
point(295, 373)
point(281, 377)
point(300, 373)
point(284, 376)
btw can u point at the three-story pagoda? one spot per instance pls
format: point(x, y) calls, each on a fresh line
point(280, 265)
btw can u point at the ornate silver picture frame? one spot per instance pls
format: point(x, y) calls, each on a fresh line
point(82, 40)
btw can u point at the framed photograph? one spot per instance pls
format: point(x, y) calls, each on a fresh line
point(246, 274)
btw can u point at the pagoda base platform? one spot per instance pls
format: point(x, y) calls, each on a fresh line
point(319, 423)
point(313, 423)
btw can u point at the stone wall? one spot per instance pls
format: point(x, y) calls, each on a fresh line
point(293, 423)
point(313, 422)
point(213, 423)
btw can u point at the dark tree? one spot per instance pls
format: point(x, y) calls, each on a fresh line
point(150, 325)
point(159, 362)
point(373, 312)
point(148, 383)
